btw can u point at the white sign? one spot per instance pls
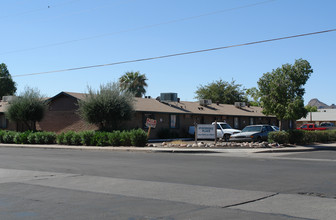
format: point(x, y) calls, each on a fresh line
point(205, 131)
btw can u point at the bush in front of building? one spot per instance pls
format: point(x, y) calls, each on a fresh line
point(8, 137)
point(43, 137)
point(332, 135)
point(136, 137)
point(76, 139)
point(2, 133)
point(296, 136)
point(22, 137)
point(301, 137)
point(87, 137)
point(281, 137)
point(101, 139)
point(68, 138)
point(114, 138)
point(125, 138)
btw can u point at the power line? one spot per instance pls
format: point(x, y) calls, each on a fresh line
point(178, 54)
point(137, 28)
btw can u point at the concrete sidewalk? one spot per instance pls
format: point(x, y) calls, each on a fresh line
point(317, 147)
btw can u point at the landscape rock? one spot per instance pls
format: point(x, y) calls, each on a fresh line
point(201, 144)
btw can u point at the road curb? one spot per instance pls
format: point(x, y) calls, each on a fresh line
point(177, 150)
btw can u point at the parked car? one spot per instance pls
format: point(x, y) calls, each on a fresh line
point(255, 133)
point(327, 124)
point(311, 127)
point(275, 128)
point(224, 130)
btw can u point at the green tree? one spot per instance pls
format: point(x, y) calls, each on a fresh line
point(7, 85)
point(282, 90)
point(28, 108)
point(134, 82)
point(255, 95)
point(311, 108)
point(222, 92)
point(108, 107)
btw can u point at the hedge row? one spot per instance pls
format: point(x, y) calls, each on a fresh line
point(302, 137)
point(88, 138)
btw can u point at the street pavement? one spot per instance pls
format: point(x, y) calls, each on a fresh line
point(58, 182)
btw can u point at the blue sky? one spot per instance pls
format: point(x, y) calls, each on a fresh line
point(46, 35)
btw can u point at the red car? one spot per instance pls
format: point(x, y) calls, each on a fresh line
point(311, 127)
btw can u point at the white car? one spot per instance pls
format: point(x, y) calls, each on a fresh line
point(224, 130)
point(275, 128)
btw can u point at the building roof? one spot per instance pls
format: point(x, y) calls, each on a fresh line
point(182, 107)
point(221, 109)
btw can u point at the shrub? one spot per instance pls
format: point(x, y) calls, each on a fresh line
point(31, 138)
point(49, 137)
point(2, 133)
point(296, 136)
point(332, 135)
point(76, 139)
point(138, 138)
point(101, 139)
point(125, 138)
point(280, 137)
point(87, 137)
point(114, 138)
point(8, 137)
point(22, 138)
point(60, 138)
point(68, 137)
point(39, 137)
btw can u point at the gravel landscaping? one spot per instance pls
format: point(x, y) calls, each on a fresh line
point(211, 144)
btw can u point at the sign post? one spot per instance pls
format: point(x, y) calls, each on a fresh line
point(216, 132)
point(195, 133)
point(150, 123)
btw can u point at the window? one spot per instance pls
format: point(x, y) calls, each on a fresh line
point(173, 121)
point(236, 122)
point(3, 122)
point(251, 121)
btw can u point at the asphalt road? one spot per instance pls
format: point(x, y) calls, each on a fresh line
point(81, 184)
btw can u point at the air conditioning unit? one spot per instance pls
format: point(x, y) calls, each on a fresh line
point(240, 104)
point(205, 102)
point(8, 98)
point(168, 97)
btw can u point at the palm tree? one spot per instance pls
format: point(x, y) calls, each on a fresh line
point(133, 82)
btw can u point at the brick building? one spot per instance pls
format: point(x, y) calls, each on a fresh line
point(175, 116)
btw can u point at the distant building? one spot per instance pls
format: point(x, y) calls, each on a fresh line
point(322, 115)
